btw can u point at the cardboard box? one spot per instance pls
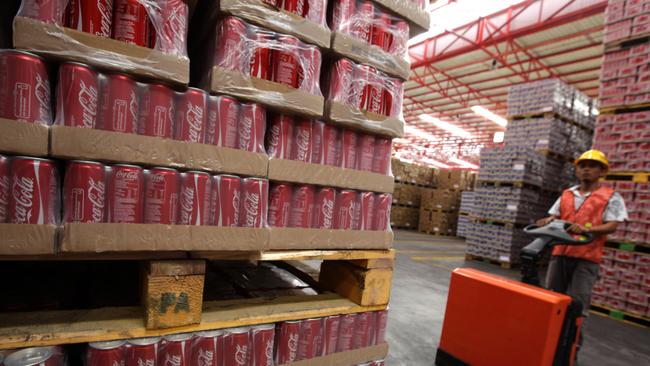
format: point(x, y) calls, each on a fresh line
point(22, 138)
point(298, 238)
point(434, 222)
point(91, 144)
point(407, 194)
point(347, 116)
point(347, 358)
point(440, 199)
point(417, 17)
point(404, 217)
point(27, 239)
point(329, 176)
point(272, 94)
point(455, 179)
point(278, 20)
point(413, 173)
point(104, 53)
point(362, 52)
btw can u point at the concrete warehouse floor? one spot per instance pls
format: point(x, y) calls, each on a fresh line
point(419, 297)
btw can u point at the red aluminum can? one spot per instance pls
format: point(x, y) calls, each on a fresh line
point(263, 337)
point(191, 116)
point(381, 161)
point(225, 202)
point(157, 111)
point(194, 198)
point(171, 36)
point(223, 117)
point(280, 205)
point(367, 207)
point(330, 334)
point(288, 335)
point(380, 30)
point(346, 210)
point(206, 348)
point(48, 11)
point(279, 138)
point(24, 87)
point(5, 187)
point(287, 62)
point(161, 196)
point(142, 351)
point(131, 22)
point(302, 204)
point(34, 191)
point(106, 353)
point(36, 356)
point(366, 152)
point(298, 7)
point(398, 44)
point(371, 96)
point(77, 95)
point(237, 347)
point(310, 342)
point(381, 320)
point(120, 105)
point(309, 68)
point(231, 40)
point(252, 123)
point(90, 16)
point(323, 212)
point(254, 202)
point(362, 330)
point(349, 149)
point(346, 332)
point(125, 191)
point(343, 10)
point(261, 60)
point(327, 144)
point(302, 141)
point(381, 221)
point(175, 350)
point(362, 26)
point(340, 86)
point(84, 192)
point(316, 11)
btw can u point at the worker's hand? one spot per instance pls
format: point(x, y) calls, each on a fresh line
point(577, 229)
point(545, 221)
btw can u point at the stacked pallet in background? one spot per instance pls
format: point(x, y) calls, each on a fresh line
point(550, 123)
point(465, 213)
point(439, 208)
point(410, 180)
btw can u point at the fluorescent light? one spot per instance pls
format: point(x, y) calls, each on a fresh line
point(411, 130)
point(489, 115)
point(455, 130)
point(464, 163)
point(498, 137)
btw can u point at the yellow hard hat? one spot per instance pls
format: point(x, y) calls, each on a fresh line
point(595, 155)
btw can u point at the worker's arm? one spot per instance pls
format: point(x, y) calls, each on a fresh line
point(547, 220)
point(604, 229)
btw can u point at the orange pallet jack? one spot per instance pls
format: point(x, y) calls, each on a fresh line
point(494, 321)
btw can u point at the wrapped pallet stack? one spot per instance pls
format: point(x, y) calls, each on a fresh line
point(410, 181)
point(439, 207)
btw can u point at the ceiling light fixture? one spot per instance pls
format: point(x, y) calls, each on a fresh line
point(489, 115)
point(498, 137)
point(455, 130)
point(412, 130)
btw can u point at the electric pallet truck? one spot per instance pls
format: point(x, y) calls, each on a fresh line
point(494, 321)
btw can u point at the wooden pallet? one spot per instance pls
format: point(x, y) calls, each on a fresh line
point(549, 115)
point(508, 224)
point(405, 205)
point(628, 246)
point(397, 181)
point(624, 108)
point(517, 184)
point(437, 233)
point(637, 177)
point(630, 41)
point(476, 258)
point(620, 315)
point(407, 228)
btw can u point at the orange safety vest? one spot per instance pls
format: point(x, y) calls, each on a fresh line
point(590, 212)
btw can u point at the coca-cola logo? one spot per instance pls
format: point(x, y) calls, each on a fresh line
point(23, 195)
point(205, 358)
point(194, 118)
point(42, 92)
point(4, 196)
point(302, 143)
point(274, 139)
point(245, 131)
point(147, 362)
point(241, 355)
point(187, 204)
point(87, 98)
point(96, 191)
point(268, 352)
point(157, 178)
point(251, 208)
point(175, 26)
point(375, 100)
point(292, 344)
point(328, 212)
point(235, 206)
point(126, 175)
point(172, 360)
point(105, 9)
point(133, 109)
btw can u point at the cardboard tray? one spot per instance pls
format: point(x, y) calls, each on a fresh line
point(362, 52)
point(278, 20)
point(419, 19)
point(329, 176)
point(22, 138)
point(27, 239)
point(323, 239)
point(269, 93)
point(103, 53)
point(91, 144)
point(341, 114)
point(347, 358)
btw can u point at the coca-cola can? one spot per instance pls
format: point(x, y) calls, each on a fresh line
point(380, 30)
point(263, 337)
point(230, 45)
point(48, 11)
point(157, 111)
point(298, 7)
point(302, 141)
point(77, 95)
point(106, 353)
point(120, 105)
point(131, 22)
point(372, 93)
point(279, 137)
point(288, 335)
point(254, 202)
point(302, 204)
point(392, 97)
point(381, 320)
point(398, 43)
point(36, 356)
point(362, 330)
point(170, 33)
point(191, 116)
point(349, 143)
point(346, 211)
point(251, 127)
point(90, 16)
point(262, 56)
point(366, 152)
point(161, 196)
point(309, 71)
point(207, 348)
point(381, 221)
point(341, 87)
point(330, 334)
point(287, 62)
point(225, 202)
point(237, 347)
point(381, 161)
point(34, 191)
point(24, 87)
point(346, 332)
point(323, 212)
point(280, 204)
point(194, 198)
point(223, 118)
point(125, 191)
point(174, 350)
point(342, 13)
point(142, 351)
point(310, 342)
point(5, 188)
point(326, 144)
point(364, 16)
point(367, 208)
point(84, 192)
point(316, 11)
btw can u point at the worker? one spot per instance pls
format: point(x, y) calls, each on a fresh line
point(591, 208)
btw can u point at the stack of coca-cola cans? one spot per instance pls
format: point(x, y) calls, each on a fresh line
point(314, 10)
point(316, 142)
point(365, 21)
point(308, 206)
point(364, 88)
point(161, 25)
point(267, 55)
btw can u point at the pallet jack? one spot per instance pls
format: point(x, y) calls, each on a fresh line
point(494, 321)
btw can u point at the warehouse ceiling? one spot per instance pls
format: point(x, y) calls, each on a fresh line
point(455, 68)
